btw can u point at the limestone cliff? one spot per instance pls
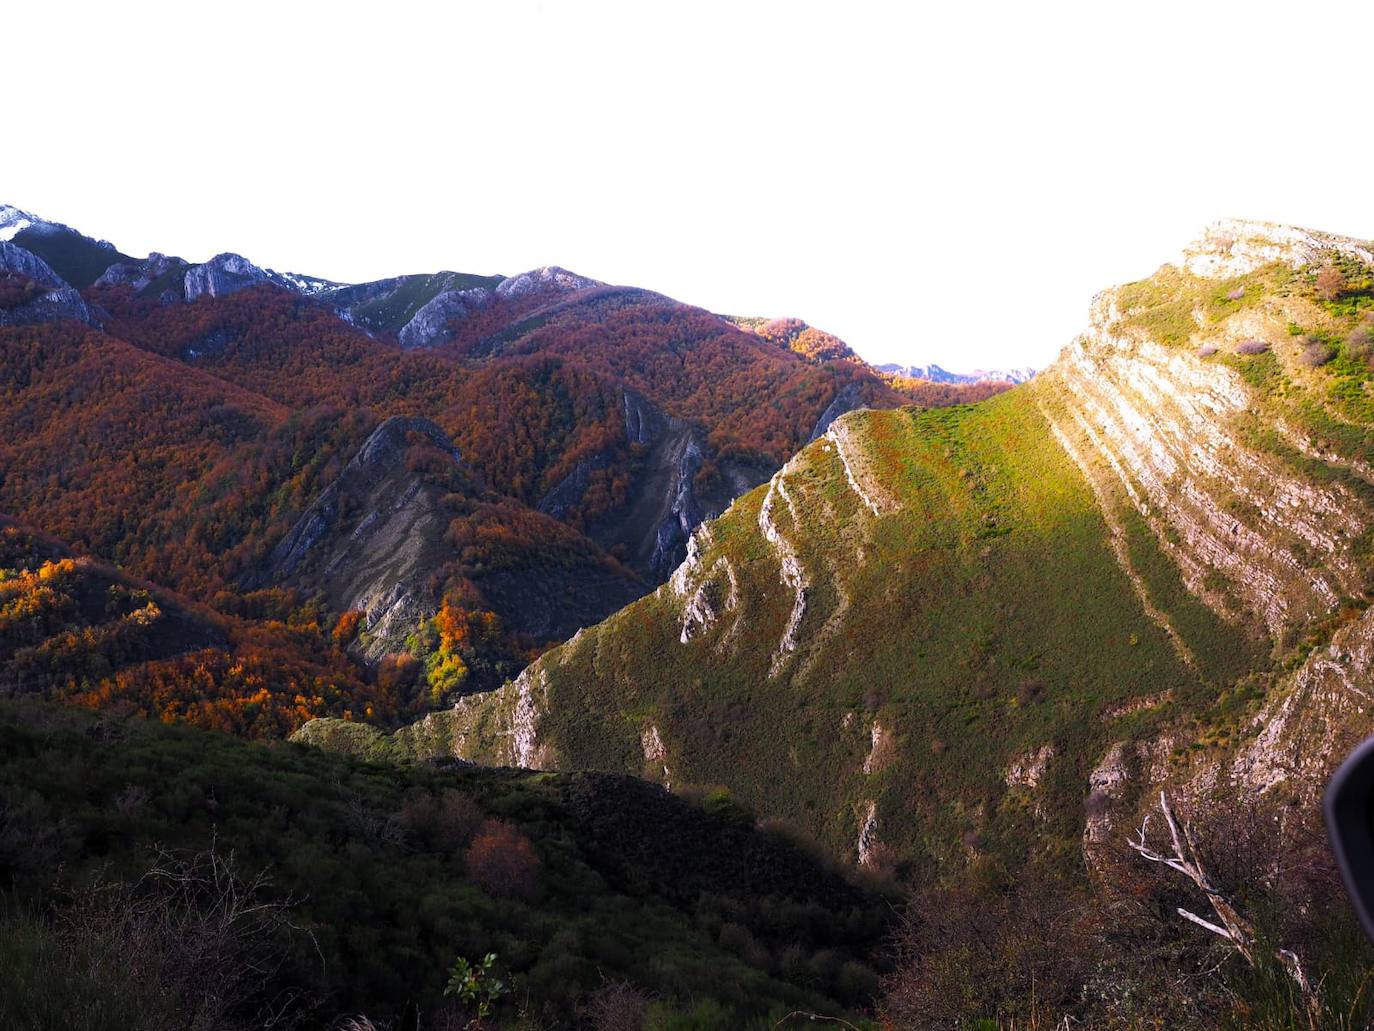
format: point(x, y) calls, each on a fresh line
point(39, 294)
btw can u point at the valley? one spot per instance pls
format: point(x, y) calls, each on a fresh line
point(719, 624)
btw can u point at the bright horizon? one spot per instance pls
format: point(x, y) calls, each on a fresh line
point(950, 186)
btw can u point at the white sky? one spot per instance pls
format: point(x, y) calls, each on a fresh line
point(942, 183)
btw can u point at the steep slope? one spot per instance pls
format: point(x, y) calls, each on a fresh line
point(937, 633)
point(76, 258)
point(538, 387)
point(31, 292)
point(381, 539)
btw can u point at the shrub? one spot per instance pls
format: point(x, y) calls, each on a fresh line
point(1315, 352)
point(1330, 284)
point(476, 986)
point(193, 942)
point(346, 629)
point(1252, 347)
point(1360, 342)
point(963, 953)
point(444, 823)
point(503, 862)
point(1236, 294)
point(617, 1006)
point(1030, 691)
point(1207, 350)
point(397, 670)
point(16, 290)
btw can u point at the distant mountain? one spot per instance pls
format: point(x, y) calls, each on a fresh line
point(513, 456)
point(935, 374)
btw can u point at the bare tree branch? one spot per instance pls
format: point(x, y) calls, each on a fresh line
point(1233, 926)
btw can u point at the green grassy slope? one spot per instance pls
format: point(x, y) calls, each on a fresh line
point(77, 259)
point(1150, 537)
point(393, 310)
point(984, 619)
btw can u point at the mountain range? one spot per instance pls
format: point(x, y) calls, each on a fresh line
point(573, 549)
point(935, 374)
point(526, 453)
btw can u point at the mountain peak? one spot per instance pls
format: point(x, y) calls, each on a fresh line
point(14, 221)
point(547, 278)
point(1235, 247)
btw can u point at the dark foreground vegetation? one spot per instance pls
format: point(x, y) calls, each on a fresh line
point(159, 877)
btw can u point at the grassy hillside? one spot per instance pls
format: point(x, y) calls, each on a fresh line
point(943, 634)
point(928, 636)
point(77, 259)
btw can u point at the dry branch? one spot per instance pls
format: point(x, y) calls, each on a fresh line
point(1233, 926)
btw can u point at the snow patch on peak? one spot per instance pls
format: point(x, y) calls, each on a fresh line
point(935, 374)
point(310, 286)
point(13, 222)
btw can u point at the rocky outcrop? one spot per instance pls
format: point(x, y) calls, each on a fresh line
point(789, 564)
point(549, 279)
point(372, 536)
point(643, 422)
point(1162, 423)
point(666, 502)
point(1027, 769)
point(655, 754)
point(40, 294)
point(868, 835)
point(683, 512)
point(848, 399)
point(140, 275)
point(430, 325)
point(857, 473)
point(224, 274)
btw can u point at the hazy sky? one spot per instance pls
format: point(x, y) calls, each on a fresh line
point(931, 182)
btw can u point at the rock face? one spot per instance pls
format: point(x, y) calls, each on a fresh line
point(667, 504)
point(1158, 424)
point(224, 274)
point(163, 269)
point(549, 279)
point(1233, 247)
point(453, 301)
point(430, 324)
point(847, 400)
point(40, 294)
point(372, 536)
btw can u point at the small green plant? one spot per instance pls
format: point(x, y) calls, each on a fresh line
point(475, 984)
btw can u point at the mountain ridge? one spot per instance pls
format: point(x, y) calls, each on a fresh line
point(1195, 465)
